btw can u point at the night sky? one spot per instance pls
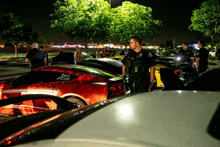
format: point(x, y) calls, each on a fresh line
point(174, 14)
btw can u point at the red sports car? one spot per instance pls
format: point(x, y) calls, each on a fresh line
point(80, 84)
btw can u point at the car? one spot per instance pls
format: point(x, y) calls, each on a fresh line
point(119, 58)
point(66, 58)
point(206, 81)
point(212, 53)
point(106, 64)
point(170, 53)
point(153, 119)
point(70, 45)
point(80, 84)
point(30, 104)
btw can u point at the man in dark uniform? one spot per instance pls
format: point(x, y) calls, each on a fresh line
point(35, 57)
point(126, 70)
point(202, 58)
point(46, 54)
point(140, 62)
point(185, 55)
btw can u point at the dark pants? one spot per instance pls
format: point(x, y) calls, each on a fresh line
point(78, 63)
point(202, 69)
point(36, 63)
point(140, 85)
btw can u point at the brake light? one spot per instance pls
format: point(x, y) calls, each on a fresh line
point(119, 87)
point(115, 88)
point(112, 89)
point(176, 71)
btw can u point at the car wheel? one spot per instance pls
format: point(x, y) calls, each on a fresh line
point(79, 102)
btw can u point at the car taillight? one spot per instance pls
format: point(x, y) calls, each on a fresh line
point(112, 89)
point(115, 88)
point(176, 71)
point(119, 88)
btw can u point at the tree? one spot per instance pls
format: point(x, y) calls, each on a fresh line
point(13, 31)
point(207, 20)
point(85, 18)
point(132, 20)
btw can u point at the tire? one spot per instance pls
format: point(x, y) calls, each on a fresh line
point(79, 102)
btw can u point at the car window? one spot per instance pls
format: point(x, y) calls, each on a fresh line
point(112, 62)
point(36, 77)
point(65, 55)
point(86, 55)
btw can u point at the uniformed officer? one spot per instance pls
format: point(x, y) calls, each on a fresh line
point(35, 57)
point(126, 70)
point(202, 58)
point(140, 62)
point(185, 54)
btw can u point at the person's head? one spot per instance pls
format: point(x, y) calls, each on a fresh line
point(185, 46)
point(34, 45)
point(77, 49)
point(41, 47)
point(135, 42)
point(201, 43)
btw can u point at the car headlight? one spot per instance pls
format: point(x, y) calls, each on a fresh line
point(178, 58)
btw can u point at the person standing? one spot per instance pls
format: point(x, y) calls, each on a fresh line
point(78, 56)
point(35, 57)
point(202, 58)
point(61, 51)
point(185, 55)
point(138, 68)
point(218, 56)
point(104, 53)
point(98, 54)
point(46, 54)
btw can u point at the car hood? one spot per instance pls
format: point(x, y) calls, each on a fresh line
point(153, 119)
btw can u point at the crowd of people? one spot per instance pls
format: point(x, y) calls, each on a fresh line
point(136, 63)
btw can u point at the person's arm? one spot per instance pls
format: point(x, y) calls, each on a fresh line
point(45, 61)
point(123, 70)
point(152, 78)
point(197, 63)
point(75, 57)
point(152, 73)
point(26, 60)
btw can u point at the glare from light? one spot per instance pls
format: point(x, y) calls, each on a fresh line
point(178, 58)
point(179, 91)
point(125, 113)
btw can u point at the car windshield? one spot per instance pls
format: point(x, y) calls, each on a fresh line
point(112, 62)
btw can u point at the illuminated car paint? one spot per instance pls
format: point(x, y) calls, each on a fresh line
point(86, 86)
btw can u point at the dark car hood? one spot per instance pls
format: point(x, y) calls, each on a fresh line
point(170, 80)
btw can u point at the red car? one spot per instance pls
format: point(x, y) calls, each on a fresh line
point(80, 84)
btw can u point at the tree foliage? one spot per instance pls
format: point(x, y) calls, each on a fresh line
point(85, 18)
point(206, 19)
point(12, 30)
point(132, 20)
